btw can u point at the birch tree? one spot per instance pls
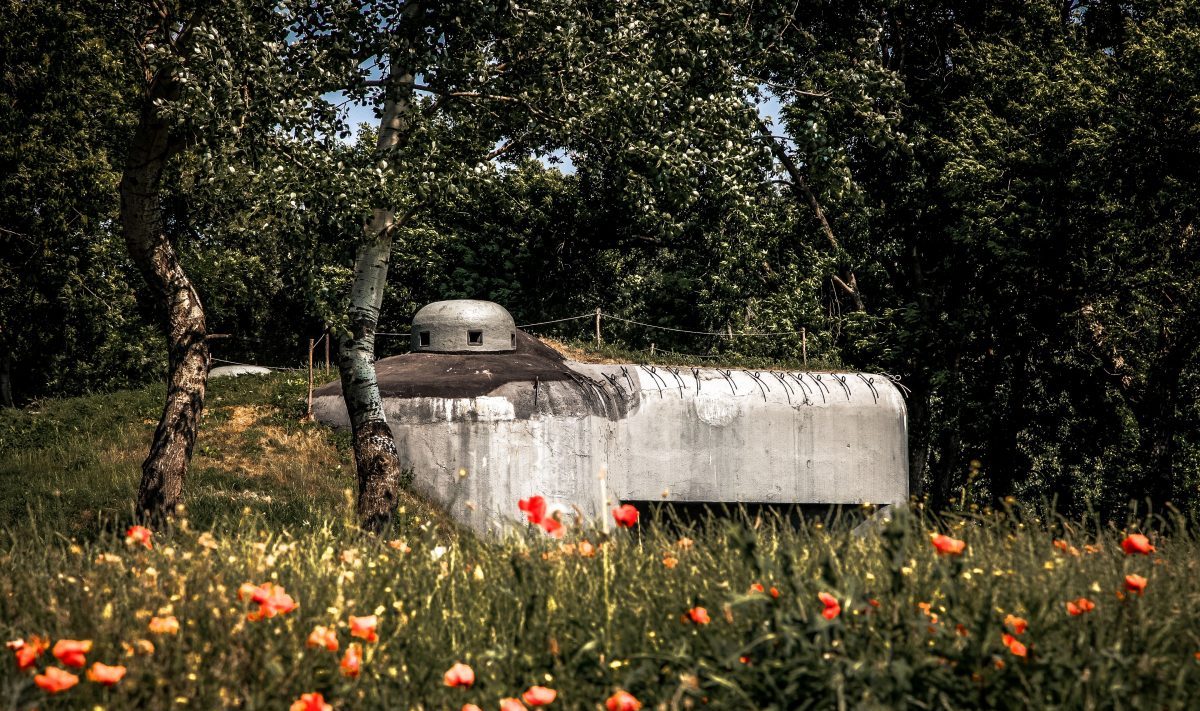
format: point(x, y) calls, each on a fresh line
point(459, 86)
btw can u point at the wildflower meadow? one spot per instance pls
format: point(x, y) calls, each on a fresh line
point(286, 605)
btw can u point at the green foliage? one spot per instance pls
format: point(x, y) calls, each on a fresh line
point(1013, 188)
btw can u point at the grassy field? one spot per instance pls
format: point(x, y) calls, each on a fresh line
point(842, 621)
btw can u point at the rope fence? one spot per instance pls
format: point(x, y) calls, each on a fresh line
point(596, 316)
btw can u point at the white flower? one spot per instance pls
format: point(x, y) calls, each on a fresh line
point(437, 552)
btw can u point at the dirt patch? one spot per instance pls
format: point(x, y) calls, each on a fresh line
point(578, 354)
point(246, 441)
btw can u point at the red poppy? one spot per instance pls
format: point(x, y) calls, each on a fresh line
point(470, 707)
point(1014, 645)
point(511, 705)
point(311, 702)
point(757, 587)
point(774, 592)
point(873, 602)
point(622, 701)
point(832, 607)
point(553, 526)
point(744, 659)
point(698, 615)
point(459, 675)
point(72, 652)
point(946, 545)
point(1080, 606)
point(534, 508)
point(28, 652)
point(539, 695)
point(351, 663)
point(1018, 625)
point(625, 515)
point(364, 627)
point(104, 674)
point(138, 535)
point(1135, 583)
point(1136, 543)
point(55, 680)
point(323, 637)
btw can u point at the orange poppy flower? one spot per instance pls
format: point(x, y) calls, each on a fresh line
point(28, 652)
point(1016, 624)
point(961, 630)
point(1080, 606)
point(104, 674)
point(757, 587)
point(1135, 583)
point(272, 600)
point(625, 515)
point(534, 508)
point(744, 659)
point(314, 701)
point(55, 680)
point(511, 704)
point(351, 663)
point(1136, 543)
point(138, 535)
point(364, 627)
point(539, 695)
point(698, 615)
point(586, 549)
point(72, 652)
point(927, 608)
point(670, 561)
point(832, 607)
point(946, 545)
point(622, 701)
point(164, 625)
point(459, 675)
point(470, 707)
point(323, 637)
point(1014, 645)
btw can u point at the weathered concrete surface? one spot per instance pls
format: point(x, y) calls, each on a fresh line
point(586, 436)
point(232, 371)
point(463, 326)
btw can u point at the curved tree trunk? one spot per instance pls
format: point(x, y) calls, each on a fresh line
point(165, 469)
point(376, 460)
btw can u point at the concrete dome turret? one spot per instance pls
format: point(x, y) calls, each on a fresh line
point(463, 326)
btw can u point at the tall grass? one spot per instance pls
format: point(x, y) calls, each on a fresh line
point(916, 629)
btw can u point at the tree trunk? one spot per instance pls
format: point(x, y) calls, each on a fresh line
point(376, 460)
point(848, 282)
point(6, 396)
point(165, 469)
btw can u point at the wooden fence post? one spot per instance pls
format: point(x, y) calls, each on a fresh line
point(598, 340)
point(804, 345)
point(312, 346)
point(326, 349)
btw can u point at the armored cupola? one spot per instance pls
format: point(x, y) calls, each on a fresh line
point(463, 326)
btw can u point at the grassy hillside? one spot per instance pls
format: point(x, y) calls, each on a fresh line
point(587, 616)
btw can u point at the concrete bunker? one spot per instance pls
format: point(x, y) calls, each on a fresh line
point(483, 428)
